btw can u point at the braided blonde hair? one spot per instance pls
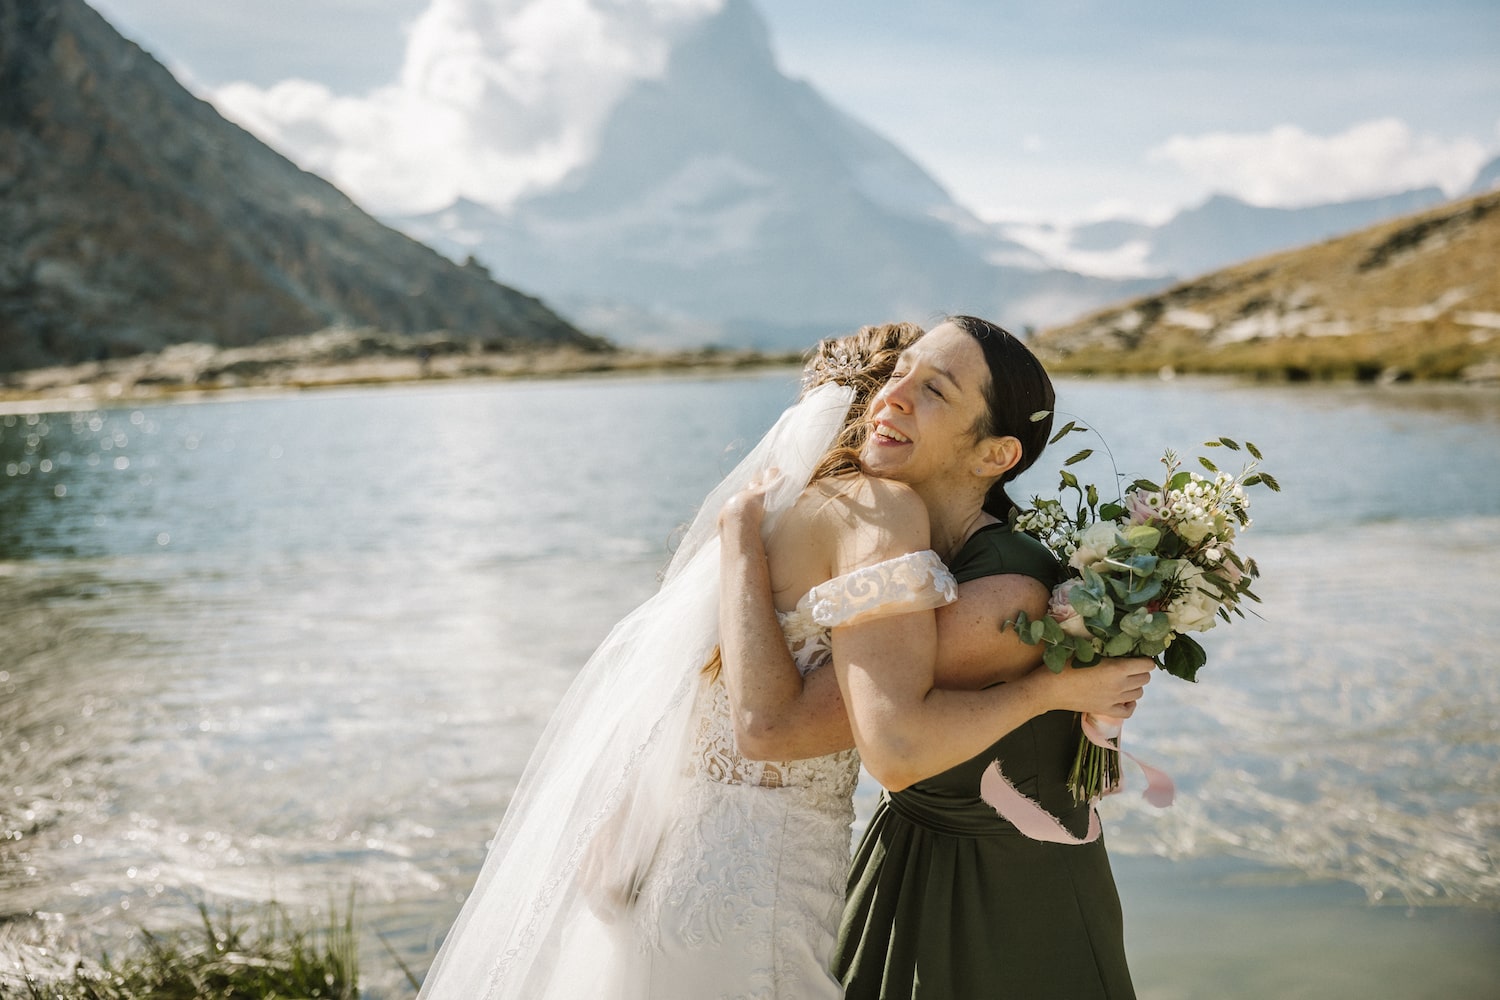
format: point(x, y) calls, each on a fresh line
point(864, 361)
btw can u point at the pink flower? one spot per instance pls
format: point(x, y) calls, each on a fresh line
point(1143, 508)
point(1060, 609)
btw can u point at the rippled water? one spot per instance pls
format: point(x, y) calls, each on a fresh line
point(285, 646)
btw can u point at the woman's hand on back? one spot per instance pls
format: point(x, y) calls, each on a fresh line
point(743, 513)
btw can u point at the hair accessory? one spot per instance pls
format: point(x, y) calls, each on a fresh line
point(837, 366)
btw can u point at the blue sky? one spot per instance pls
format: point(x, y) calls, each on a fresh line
point(1056, 110)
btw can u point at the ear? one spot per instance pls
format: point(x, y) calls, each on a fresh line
point(997, 456)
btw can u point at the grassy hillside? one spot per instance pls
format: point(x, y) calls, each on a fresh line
point(1415, 298)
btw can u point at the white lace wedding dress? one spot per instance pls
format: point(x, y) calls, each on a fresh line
point(619, 873)
point(745, 894)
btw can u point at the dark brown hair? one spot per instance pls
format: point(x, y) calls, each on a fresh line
point(1018, 391)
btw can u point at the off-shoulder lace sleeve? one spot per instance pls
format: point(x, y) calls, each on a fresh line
point(916, 581)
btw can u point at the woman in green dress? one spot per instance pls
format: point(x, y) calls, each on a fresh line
point(947, 899)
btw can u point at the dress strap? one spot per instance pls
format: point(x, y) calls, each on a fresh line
point(916, 581)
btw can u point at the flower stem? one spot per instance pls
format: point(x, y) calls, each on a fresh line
point(1095, 772)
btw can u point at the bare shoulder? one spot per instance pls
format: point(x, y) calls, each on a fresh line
point(871, 519)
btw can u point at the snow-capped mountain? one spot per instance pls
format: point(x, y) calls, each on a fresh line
point(725, 202)
point(1221, 231)
point(1488, 178)
point(722, 202)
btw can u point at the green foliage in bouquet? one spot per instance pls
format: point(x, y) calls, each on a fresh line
point(1144, 569)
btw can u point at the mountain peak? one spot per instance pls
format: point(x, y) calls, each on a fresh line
point(737, 32)
point(727, 193)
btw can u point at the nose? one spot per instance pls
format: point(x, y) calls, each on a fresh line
point(897, 394)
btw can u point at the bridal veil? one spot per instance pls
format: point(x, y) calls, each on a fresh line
point(549, 915)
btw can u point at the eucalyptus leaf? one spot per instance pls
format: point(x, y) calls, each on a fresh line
point(1136, 623)
point(1084, 653)
point(1158, 628)
point(1085, 602)
point(1106, 610)
point(1056, 658)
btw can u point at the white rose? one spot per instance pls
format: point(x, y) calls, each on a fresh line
point(1094, 544)
point(1195, 606)
point(1194, 528)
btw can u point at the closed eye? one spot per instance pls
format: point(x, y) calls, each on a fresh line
point(932, 388)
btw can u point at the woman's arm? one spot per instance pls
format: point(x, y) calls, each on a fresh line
point(778, 714)
point(908, 729)
point(884, 670)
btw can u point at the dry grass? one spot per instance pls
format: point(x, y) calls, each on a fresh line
point(1416, 298)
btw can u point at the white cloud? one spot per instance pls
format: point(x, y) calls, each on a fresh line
point(1287, 166)
point(495, 97)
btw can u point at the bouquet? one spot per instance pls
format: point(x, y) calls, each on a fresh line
point(1143, 571)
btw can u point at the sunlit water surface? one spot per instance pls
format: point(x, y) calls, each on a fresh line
point(285, 647)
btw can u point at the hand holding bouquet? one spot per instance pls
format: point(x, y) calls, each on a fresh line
point(1142, 572)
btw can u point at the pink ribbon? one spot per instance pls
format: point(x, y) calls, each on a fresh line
point(1037, 823)
point(1025, 815)
point(1104, 731)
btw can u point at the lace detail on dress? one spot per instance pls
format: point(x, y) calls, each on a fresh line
point(916, 581)
point(749, 882)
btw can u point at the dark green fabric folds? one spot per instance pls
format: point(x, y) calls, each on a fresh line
point(947, 901)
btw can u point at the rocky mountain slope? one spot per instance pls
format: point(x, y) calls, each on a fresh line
point(133, 216)
point(1418, 297)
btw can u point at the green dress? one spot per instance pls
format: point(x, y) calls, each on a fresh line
point(948, 901)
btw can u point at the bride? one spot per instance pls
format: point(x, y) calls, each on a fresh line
point(643, 855)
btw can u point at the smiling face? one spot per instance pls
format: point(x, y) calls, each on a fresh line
point(926, 418)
